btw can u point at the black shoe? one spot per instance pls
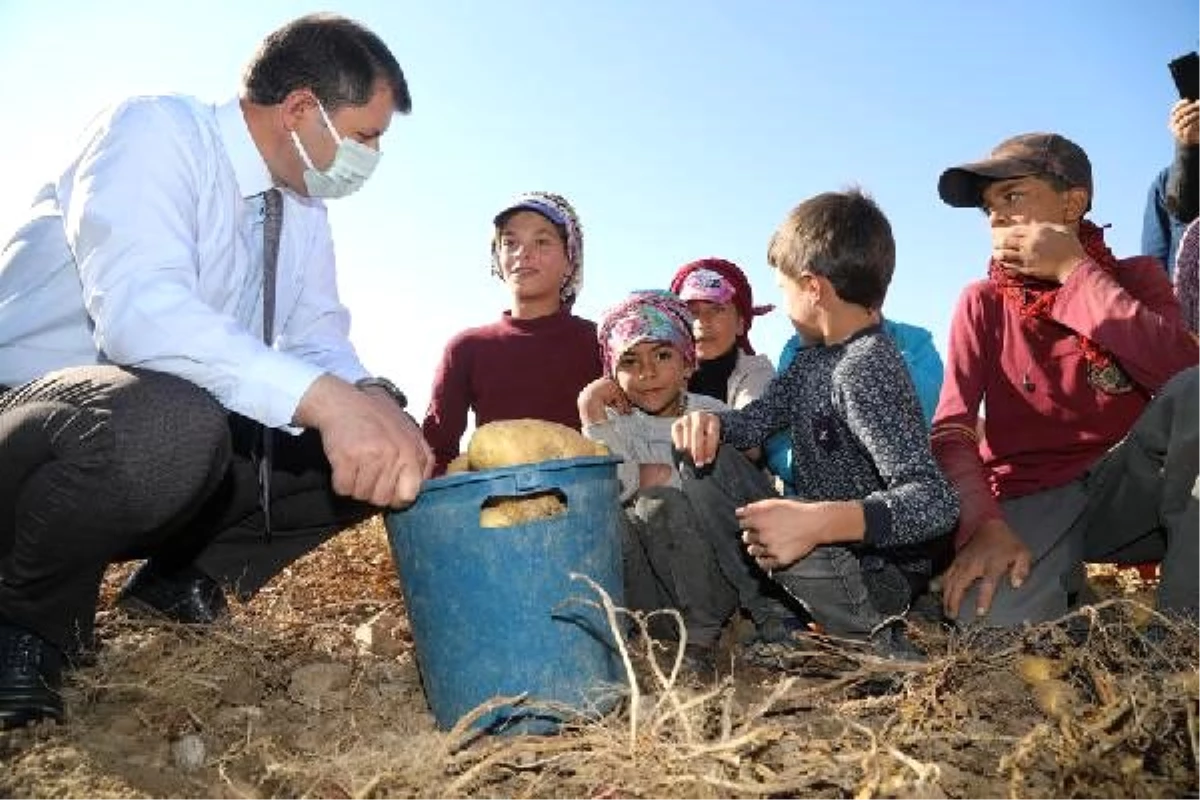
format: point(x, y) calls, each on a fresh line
point(699, 663)
point(778, 643)
point(187, 595)
point(780, 630)
point(891, 641)
point(30, 678)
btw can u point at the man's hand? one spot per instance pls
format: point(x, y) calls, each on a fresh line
point(600, 394)
point(780, 531)
point(377, 451)
point(1185, 122)
point(991, 553)
point(1038, 249)
point(698, 434)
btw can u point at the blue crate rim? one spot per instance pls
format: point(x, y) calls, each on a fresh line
point(555, 465)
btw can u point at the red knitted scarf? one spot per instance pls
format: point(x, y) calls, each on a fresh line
point(1034, 297)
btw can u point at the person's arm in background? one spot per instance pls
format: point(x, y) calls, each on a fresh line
point(449, 403)
point(779, 446)
point(1183, 186)
point(924, 363)
point(986, 548)
point(604, 416)
point(750, 382)
point(751, 376)
point(954, 435)
point(1156, 224)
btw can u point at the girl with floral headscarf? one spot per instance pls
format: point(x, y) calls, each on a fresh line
point(499, 370)
point(648, 355)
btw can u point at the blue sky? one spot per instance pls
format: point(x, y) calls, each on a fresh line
point(678, 129)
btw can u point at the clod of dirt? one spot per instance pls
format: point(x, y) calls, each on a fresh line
point(384, 635)
point(237, 716)
point(188, 752)
point(1187, 681)
point(242, 689)
point(320, 686)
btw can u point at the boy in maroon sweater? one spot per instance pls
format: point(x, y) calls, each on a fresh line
point(537, 358)
point(1089, 381)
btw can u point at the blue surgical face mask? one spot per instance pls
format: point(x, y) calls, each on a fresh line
point(352, 164)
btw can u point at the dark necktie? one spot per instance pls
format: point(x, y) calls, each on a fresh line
point(272, 227)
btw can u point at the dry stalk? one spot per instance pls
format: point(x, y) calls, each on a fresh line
point(1193, 732)
point(666, 683)
point(463, 732)
point(757, 713)
point(635, 692)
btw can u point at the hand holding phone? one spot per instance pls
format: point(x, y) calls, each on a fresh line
point(1185, 122)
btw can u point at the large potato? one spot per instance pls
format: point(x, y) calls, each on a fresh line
point(509, 442)
point(1035, 669)
point(460, 463)
point(506, 512)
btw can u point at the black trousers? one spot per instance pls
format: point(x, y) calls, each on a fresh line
point(104, 464)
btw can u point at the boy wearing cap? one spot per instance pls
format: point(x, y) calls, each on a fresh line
point(499, 370)
point(722, 303)
point(854, 544)
point(1089, 378)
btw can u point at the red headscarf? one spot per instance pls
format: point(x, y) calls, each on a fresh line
point(743, 297)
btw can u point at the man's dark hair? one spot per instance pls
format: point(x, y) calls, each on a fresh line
point(336, 57)
point(842, 236)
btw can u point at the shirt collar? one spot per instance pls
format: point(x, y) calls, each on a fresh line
point(251, 171)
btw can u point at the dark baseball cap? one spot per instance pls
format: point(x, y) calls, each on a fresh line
point(1030, 154)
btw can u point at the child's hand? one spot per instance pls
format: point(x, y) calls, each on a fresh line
point(779, 531)
point(596, 396)
point(1038, 249)
point(699, 435)
point(650, 475)
point(992, 553)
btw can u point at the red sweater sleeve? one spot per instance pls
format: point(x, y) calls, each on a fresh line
point(449, 403)
point(1135, 317)
point(954, 434)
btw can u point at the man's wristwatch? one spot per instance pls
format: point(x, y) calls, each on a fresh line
point(387, 386)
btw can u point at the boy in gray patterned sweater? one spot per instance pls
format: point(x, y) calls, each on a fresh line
point(854, 544)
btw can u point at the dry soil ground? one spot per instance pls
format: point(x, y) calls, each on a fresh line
point(311, 690)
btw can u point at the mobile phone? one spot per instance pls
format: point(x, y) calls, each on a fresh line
point(1186, 72)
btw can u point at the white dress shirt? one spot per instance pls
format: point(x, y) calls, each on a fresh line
point(147, 252)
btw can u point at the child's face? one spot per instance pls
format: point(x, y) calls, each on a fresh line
point(1023, 201)
point(653, 375)
point(800, 303)
point(532, 256)
point(716, 327)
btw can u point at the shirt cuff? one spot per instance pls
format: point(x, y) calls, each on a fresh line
point(878, 519)
point(273, 396)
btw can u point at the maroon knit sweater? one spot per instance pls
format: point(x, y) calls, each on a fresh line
point(1045, 421)
point(510, 369)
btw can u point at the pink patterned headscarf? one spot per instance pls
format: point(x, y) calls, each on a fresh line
point(645, 316)
point(689, 286)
